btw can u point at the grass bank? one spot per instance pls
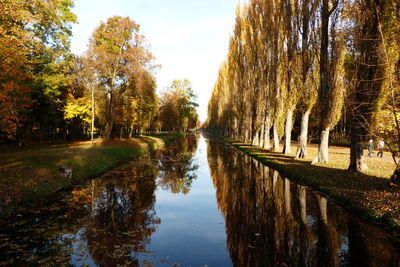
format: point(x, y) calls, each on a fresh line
point(30, 175)
point(367, 194)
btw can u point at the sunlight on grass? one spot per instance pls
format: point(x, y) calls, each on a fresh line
point(34, 171)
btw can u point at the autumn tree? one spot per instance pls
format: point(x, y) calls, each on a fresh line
point(377, 46)
point(81, 103)
point(34, 55)
point(119, 51)
point(309, 69)
point(332, 52)
point(178, 107)
point(138, 107)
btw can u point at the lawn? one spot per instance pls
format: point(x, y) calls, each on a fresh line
point(31, 174)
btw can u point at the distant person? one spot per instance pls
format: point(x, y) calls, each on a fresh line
point(370, 148)
point(381, 145)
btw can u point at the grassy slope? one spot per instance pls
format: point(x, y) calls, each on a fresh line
point(367, 194)
point(30, 174)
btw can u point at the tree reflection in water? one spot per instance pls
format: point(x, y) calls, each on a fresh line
point(271, 221)
point(123, 215)
point(108, 223)
point(177, 169)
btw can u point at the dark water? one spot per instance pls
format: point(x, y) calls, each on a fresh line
point(197, 203)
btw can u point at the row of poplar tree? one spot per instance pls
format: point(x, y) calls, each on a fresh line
point(320, 61)
point(48, 93)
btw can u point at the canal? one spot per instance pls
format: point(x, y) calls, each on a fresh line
point(198, 202)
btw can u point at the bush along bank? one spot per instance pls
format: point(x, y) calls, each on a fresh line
point(370, 197)
point(32, 176)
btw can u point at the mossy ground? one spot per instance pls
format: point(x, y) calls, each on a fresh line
point(369, 194)
point(30, 175)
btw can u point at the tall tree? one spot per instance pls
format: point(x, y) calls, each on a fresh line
point(331, 65)
point(375, 41)
point(119, 51)
point(309, 70)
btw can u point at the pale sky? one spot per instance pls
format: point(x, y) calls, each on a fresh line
point(189, 38)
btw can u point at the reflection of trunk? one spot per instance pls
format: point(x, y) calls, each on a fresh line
point(267, 128)
point(322, 156)
point(274, 181)
point(327, 245)
point(322, 204)
point(357, 248)
point(302, 146)
point(110, 116)
point(276, 136)
point(93, 197)
point(303, 202)
point(288, 208)
point(357, 160)
point(266, 179)
point(288, 131)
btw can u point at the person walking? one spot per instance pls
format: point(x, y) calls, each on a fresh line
point(381, 145)
point(370, 148)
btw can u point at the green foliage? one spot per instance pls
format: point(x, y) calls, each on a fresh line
point(34, 41)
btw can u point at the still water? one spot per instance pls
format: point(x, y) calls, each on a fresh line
point(198, 202)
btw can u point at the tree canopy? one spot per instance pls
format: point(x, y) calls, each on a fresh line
point(318, 66)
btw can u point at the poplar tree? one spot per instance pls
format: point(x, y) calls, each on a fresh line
point(375, 41)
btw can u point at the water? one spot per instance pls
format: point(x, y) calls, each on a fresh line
point(199, 202)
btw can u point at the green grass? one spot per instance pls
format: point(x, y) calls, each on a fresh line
point(29, 176)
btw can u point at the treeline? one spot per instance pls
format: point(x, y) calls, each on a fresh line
point(314, 67)
point(48, 93)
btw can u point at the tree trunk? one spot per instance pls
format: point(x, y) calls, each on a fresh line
point(322, 156)
point(121, 132)
point(131, 131)
point(323, 211)
point(267, 137)
point(110, 117)
point(303, 139)
point(395, 178)
point(357, 160)
point(261, 142)
point(256, 139)
point(247, 136)
point(92, 130)
point(288, 131)
point(302, 192)
point(276, 137)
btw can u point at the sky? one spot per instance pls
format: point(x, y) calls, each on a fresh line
point(189, 38)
